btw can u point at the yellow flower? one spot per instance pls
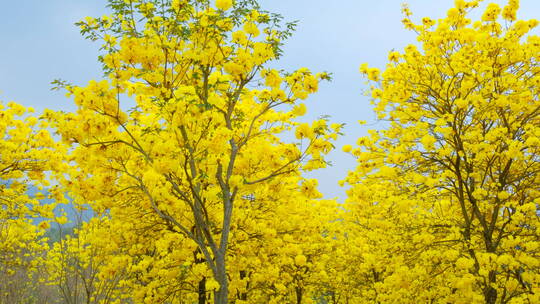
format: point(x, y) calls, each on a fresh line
point(427, 21)
point(393, 56)
point(62, 220)
point(44, 225)
point(251, 28)
point(300, 260)
point(272, 78)
point(224, 4)
point(304, 131)
point(373, 74)
point(503, 195)
point(299, 110)
point(491, 13)
point(363, 68)
point(376, 94)
point(461, 103)
point(509, 11)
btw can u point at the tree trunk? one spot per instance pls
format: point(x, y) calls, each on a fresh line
point(221, 296)
point(490, 293)
point(299, 294)
point(202, 283)
point(202, 291)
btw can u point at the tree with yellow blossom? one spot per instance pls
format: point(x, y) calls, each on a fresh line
point(86, 266)
point(188, 124)
point(27, 159)
point(444, 202)
point(282, 261)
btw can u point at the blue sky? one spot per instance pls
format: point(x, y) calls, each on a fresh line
point(40, 43)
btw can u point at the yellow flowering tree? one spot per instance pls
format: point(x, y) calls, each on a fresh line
point(28, 152)
point(78, 265)
point(280, 249)
point(445, 199)
point(187, 127)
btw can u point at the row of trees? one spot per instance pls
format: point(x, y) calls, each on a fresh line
point(191, 158)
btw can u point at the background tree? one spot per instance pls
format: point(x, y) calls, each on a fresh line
point(278, 261)
point(446, 199)
point(77, 265)
point(206, 125)
point(28, 153)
